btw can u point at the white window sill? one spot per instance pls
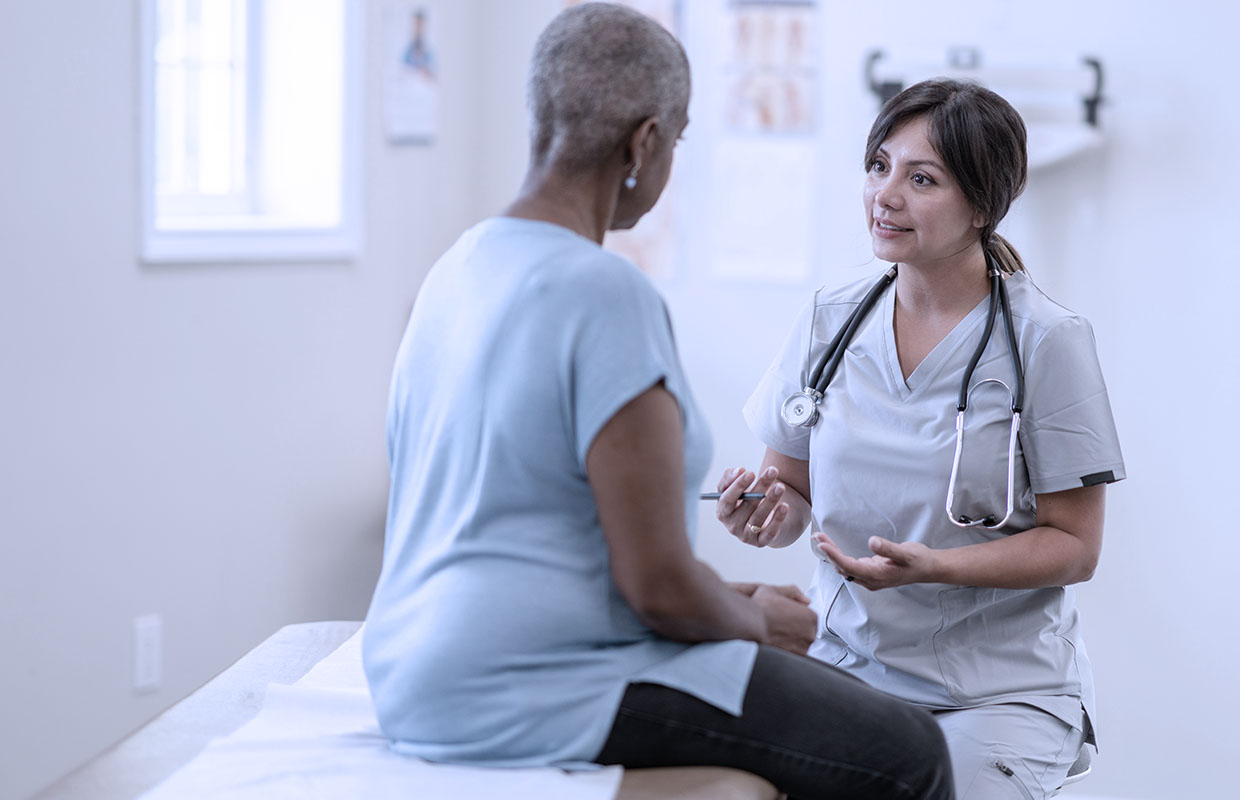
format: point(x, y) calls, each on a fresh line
point(266, 246)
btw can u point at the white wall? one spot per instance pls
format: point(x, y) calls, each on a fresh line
point(207, 443)
point(201, 442)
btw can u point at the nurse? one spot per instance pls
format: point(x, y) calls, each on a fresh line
point(977, 625)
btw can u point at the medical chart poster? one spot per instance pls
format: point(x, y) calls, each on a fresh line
point(411, 74)
point(762, 211)
point(764, 194)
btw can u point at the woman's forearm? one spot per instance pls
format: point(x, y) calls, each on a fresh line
point(696, 606)
point(1038, 557)
point(1062, 549)
point(636, 471)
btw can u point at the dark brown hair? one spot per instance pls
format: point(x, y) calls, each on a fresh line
point(982, 141)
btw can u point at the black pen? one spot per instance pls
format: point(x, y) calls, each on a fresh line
point(745, 496)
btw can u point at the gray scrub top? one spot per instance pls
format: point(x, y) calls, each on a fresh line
point(496, 634)
point(879, 462)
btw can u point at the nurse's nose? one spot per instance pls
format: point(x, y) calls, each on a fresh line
point(889, 195)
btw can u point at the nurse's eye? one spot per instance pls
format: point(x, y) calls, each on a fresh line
point(877, 166)
point(922, 179)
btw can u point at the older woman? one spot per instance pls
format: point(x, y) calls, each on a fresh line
point(539, 601)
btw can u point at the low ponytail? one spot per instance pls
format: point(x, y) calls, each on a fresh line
point(1004, 254)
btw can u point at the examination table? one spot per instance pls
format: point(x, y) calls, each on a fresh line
point(292, 719)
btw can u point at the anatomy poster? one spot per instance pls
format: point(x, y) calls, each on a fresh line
point(771, 67)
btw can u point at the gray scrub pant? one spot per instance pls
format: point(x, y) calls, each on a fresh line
point(814, 731)
point(1010, 751)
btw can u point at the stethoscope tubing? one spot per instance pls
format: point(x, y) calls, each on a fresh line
point(825, 367)
point(999, 303)
point(988, 522)
point(830, 359)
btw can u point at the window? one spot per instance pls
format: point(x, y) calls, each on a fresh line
point(250, 129)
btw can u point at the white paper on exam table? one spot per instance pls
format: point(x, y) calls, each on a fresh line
point(319, 739)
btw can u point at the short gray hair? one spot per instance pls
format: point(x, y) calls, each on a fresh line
point(599, 69)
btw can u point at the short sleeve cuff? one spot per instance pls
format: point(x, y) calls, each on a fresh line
point(1087, 476)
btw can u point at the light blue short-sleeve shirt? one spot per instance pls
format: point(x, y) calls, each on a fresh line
point(880, 459)
point(496, 634)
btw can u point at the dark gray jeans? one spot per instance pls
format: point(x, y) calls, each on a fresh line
point(807, 727)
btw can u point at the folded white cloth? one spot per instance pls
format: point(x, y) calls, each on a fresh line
point(319, 739)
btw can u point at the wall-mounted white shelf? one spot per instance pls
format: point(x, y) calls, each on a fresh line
point(1058, 101)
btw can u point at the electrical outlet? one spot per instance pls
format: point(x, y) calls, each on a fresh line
point(148, 652)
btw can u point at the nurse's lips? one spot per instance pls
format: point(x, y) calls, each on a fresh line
point(884, 228)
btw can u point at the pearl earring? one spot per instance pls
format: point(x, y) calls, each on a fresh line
point(630, 182)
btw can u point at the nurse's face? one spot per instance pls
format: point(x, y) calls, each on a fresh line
point(916, 212)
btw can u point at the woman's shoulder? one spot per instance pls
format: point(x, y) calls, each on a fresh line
point(605, 270)
point(601, 283)
point(1033, 307)
point(849, 291)
point(556, 261)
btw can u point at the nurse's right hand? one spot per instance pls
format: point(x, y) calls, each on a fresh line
point(790, 624)
point(754, 522)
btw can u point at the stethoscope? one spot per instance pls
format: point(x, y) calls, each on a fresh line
point(801, 408)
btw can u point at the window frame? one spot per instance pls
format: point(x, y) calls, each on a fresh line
point(254, 241)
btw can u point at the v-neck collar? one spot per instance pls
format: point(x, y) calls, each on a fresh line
point(932, 364)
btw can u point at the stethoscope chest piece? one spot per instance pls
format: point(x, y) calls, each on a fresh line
point(800, 410)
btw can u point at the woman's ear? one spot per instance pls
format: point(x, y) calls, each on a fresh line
point(643, 142)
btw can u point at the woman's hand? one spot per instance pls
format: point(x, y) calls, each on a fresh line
point(754, 522)
point(790, 624)
point(893, 563)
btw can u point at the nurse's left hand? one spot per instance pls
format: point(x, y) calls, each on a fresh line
point(893, 563)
